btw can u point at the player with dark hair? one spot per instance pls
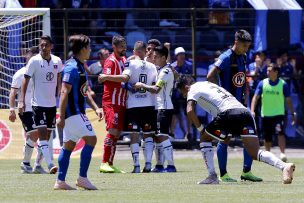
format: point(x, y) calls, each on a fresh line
point(26, 118)
point(230, 117)
point(113, 103)
point(44, 69)
point(231, 69)
point(73, 121)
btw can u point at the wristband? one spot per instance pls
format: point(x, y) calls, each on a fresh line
point(201, 128)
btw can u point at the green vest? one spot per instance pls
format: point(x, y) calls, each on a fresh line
point(273, 99)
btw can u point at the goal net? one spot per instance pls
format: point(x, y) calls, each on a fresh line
point(20, 29)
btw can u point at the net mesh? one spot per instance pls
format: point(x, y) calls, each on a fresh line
point(17, 34)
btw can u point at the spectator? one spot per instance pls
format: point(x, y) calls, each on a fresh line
point(95, 69)
point(182, 67)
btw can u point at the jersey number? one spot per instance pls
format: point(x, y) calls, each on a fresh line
point(142, 79)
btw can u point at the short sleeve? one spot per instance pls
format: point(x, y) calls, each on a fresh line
point(17, 80)
point(70, 74)
point(108, 68)
point(31, 67)
point(192, 95)
point(222, 61)
point(163, 77)
point(127, 68)
point(259, 89)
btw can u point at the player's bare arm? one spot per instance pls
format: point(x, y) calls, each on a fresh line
point(21, 103)
point(94, 106)
point(65, 90)
point(192, 116)
point(213, 74)
point(12, 96)
point(113, 78)
point(291, 110)
point(254, 103)
point(154, 89)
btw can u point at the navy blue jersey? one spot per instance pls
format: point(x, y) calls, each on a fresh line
point(75, 75)
point(232, 73)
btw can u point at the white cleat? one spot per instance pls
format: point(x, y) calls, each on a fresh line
point(26, 169)
point(39, 170)
point(85, 184)
point(288, 173)
point(62, 185)
point(210, 180)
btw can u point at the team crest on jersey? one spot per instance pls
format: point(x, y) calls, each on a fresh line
point(55, 66)
point(84, 89)
point(239, 79)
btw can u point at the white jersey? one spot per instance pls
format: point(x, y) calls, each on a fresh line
point(95, 68)
point(212, 98)
point(166, 82)
point(44, 75)
point(17, 82)
point(140, 71)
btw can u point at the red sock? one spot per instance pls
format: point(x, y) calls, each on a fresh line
point(113, 150)
point(107, 150)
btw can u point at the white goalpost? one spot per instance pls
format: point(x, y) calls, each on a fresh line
point(20, 29)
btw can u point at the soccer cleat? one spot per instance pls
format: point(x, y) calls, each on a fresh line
point(158, 169)
point(170, 169)
point(26, 168)
point(105, 168)
point(250, 177)
point(85, 184)
point(39, 170)
point(117, 170)
point(53, 169)
point(226, 178)
point(283, 157)
point(136, 169)
point(210, 180)
point(147, 168)
point(288, 173)
point(62, 185)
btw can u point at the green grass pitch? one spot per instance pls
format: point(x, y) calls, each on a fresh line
point(174, 187)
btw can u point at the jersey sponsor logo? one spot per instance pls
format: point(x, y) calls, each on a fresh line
point(108, 71)
point(239, 79)
point(5, 136)
point(66, 77)
point(84, 89)
point(49, 76)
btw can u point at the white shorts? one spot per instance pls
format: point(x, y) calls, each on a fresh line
point(76, 127)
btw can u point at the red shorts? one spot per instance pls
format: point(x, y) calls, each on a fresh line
point(114, 116)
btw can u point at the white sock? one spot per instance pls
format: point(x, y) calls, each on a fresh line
point(44, 146)
point(207, 152)
point(159, 155)
point(135, 153)
point(271, 159)
point(168, 151)
point(51, 145)
point(39, 157)
point(28, 150)
point(148, 149)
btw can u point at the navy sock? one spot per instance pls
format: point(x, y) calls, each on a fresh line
point(85, 159)
point(222, 157)
point(247, 161)
point(63, 162)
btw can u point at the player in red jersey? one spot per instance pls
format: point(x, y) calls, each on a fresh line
point(113, 103)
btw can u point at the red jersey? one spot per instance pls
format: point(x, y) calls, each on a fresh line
point(113, 92)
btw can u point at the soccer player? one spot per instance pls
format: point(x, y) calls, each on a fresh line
point(230, 67)
point(73, 121)
point(230, 118)
point(26, 119)
point(44, 69)
point(152, 43)
point(113, 103)
point(274, 93)
point(163, 90)
point(140, 113)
